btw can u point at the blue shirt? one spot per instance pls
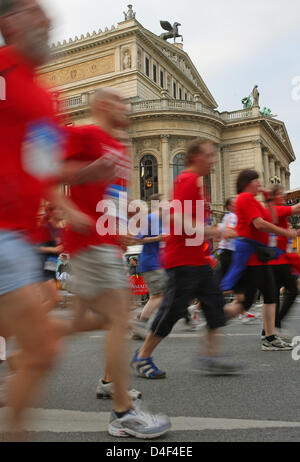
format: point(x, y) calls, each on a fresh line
point(149, 258)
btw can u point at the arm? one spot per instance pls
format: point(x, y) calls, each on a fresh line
point(149, 240)
point(296, 209)
point(261, 225)
point(78, 172)
point(52, 250)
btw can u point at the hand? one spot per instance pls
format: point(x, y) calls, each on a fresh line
point(104, 170)
point(80, 222)
point(293, 233)
point(217, 234)
point(128, 240)
point(265, 192)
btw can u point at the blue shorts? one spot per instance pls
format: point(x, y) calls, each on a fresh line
point(20, 265)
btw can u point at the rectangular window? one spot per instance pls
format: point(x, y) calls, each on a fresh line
point(174, 90)
point(147, 67)
point(180, 93)
point(154, 73)
point(185, 96)
point(162, 79)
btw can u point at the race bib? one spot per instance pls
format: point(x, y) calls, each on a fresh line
point(42, 149)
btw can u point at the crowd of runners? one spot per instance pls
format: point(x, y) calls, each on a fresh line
point(38, 156)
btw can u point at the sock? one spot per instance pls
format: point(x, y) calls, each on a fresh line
point(105, 383)
point(121, 414)
point(271, 338)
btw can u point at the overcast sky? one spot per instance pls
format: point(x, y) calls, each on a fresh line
point(233, 43)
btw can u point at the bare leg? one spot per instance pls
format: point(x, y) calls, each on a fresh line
point(21, 314)
point(269, 312)
point(149, 345)
point(151, 306)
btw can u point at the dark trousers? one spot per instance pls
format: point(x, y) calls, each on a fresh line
point(225, 262)
point(185, 284)
point(284, 278)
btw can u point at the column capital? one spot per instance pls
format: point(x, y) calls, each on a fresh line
point(165, 137)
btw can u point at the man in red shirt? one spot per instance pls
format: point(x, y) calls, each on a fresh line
point(32, 146)
point(190, 275)
point(99, 276)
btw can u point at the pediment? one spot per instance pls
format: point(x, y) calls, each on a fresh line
point(281, 133)
point(183, 63)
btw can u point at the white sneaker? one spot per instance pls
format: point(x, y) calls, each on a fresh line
point(138, 424)
point(276, 345)
point(105, 391)
point(249, 318)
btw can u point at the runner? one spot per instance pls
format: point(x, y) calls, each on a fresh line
point(31, 148)
point(150, 265)
point(254, 224)
point(227, 244)
point(190, 276)
point(99, 276)
point(281, 267)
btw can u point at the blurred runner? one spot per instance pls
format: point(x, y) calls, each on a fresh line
point(99, 277)
point(190, 275)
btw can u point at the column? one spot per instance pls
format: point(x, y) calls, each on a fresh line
point(277, 170)
point(287, 181)
point(226, 171)
point(282, 177)
point(266, 167)
point(272, 166)
point(165, 162)
point(258, 158)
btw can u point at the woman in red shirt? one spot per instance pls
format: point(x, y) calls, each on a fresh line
point(255, 223)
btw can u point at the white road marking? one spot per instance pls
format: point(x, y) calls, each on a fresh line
point(62, 421)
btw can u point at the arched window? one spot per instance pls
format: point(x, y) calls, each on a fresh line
point(178, 165)
point(148, 177)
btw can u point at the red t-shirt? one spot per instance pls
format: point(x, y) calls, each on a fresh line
point(177, 253)
point(89, 143)
point(247, 208)
point(283, 213)
point(31, 143)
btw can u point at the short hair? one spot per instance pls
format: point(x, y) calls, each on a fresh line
point(228, 202)
point(6, 6)
point(195, 147)
point(244, 179)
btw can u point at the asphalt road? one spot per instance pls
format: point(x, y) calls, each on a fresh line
point(262, 404)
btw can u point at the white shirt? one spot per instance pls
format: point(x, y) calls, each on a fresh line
point(229, 221)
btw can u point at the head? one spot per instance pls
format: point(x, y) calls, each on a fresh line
point(278, 194)
point(64, 258)
point(110, 110)
point(24, 24)
point(133, 261)
point(230, 204)
point(200, 156)
point(248, 181)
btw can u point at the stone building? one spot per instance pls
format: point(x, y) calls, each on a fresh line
point(171, 105)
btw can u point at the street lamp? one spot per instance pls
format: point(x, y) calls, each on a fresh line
point(275, 180)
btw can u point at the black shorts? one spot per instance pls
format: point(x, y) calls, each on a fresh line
point(186, 283)
point(257, 278)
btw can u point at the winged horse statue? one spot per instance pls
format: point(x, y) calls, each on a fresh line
point(172, 30)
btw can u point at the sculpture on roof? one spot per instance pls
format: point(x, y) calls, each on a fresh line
point(255, 96)
point(172, 30)
point(130, 13)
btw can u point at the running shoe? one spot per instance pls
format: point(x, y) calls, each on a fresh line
point(276, 345)
point(146, 368)
point(139, 424)
point(105, 391)
point(219, 366)
point(140, 329)
point(249, 318)
point(284, 334)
